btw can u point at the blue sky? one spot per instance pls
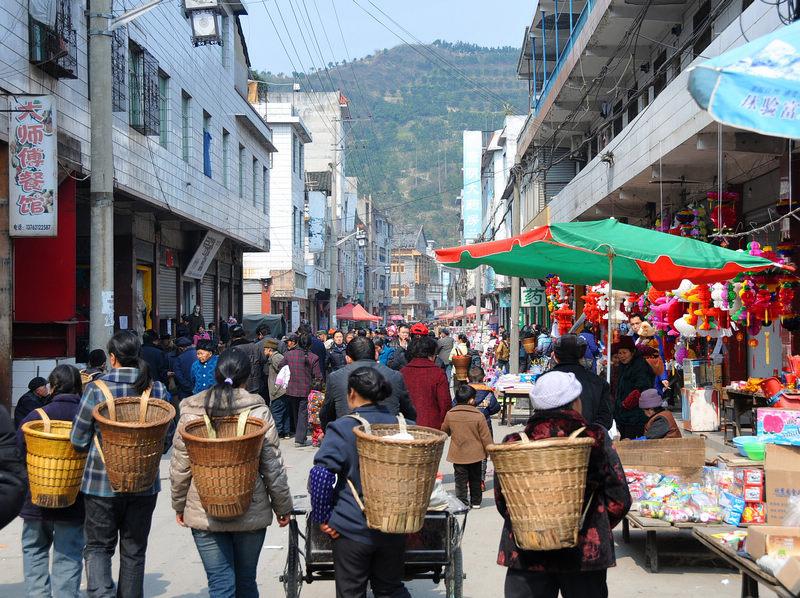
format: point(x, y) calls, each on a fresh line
point(487, 23)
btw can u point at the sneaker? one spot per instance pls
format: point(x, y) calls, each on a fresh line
point(476, 506)
point(302, 444)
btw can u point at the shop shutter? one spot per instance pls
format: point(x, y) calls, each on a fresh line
point(252, 303)
point(224, 300)
point(167, 292)
point(208, 298)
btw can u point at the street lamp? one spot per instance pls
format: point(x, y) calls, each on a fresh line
point(203, 18)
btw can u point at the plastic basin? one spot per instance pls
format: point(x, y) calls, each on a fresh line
point(754, 450)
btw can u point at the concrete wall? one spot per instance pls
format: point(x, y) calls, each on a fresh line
point(143, 167)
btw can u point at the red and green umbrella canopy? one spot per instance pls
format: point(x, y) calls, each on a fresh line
point(578, 252)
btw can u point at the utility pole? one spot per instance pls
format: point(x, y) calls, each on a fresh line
point(478, 289)
point(334, 249)
point(101, 191)
point(515, 297)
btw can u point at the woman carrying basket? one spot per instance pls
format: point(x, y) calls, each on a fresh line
point(578, 572)
point(61, 529)
point(111, 515)
point(229, 548)
point(360, 554)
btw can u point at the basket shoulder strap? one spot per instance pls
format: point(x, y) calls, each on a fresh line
point(401, 420)
point(99, 449)
point(242, 423)
point(112, 411)
point(577, 432)
point(359, 502)
point(364, 422)
point(143, 404)
point(45, 419)
point(212, 433)
point(523, 437)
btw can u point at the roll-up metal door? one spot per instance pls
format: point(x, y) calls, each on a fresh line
point(252, 297)
point(208, 298)
point(167, 292)
point(224, 300)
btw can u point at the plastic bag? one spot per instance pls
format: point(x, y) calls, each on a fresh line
point(613, 433)
point(792, 518)
point(283, 377)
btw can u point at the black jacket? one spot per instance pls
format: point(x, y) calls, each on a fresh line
point(13, 476)
point(335, 405)
point(156, 360)
point(28, 402)
point(259, 366)
point(637, 375)
point(596, 394)
point(336, 358)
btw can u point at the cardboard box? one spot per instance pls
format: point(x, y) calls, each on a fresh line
point(749, 477)
point(782, 476)
point(772, 539)
point(789, 576)
point(684, 457)
point(777, 421)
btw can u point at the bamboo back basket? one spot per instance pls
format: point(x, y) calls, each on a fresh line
point(543, 482)
point(397, 476)
point(224, 456)
point(55, 468)
point(132, 431)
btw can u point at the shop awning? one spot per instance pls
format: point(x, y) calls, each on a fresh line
point(356, 313)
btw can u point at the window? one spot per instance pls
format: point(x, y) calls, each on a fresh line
point(226, 159)
point(301, 151)
point(294, 226)
point(53, 47)
point(383, 283)
point(265, 182)
point(255, 180)
point(163, 108)
point(143, 83)
point(223, 38)
point(119, 97)
point(398, 268)
point(660, 78)
point(186, 106)
point(382, 254)
point(207, 144)
point(700, 22)
point(294, 153)
point(241, 171)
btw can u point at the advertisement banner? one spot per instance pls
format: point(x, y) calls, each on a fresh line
point(204, 255)
point(317, 203)
point(33, 167)
point(471, 200)
point(531, 297)
point(360, 258)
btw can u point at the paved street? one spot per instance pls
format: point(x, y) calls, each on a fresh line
point(174, 568)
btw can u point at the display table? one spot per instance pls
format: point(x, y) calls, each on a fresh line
point(651, 527)
point(752, 574)
point(510, 397)
point(742, 402)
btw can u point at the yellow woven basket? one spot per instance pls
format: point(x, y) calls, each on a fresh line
point(55, 468)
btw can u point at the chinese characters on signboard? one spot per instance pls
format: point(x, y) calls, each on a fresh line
point(360, 259)
point(471, 199)
point(531, 297)
point(204, 255)
point(33, 175)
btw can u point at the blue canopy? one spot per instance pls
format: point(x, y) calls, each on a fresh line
point(756, 86)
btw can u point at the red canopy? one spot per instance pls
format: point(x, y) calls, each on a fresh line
point(355, 313)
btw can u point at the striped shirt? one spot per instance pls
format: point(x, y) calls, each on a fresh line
point(120, 383)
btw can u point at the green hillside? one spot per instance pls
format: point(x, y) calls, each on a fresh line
point(409, 105)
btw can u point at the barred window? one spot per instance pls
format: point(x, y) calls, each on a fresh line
point(119, 96)
point(144, 90)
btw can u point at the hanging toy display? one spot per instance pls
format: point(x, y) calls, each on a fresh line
point(722, 213)
point(563, 315)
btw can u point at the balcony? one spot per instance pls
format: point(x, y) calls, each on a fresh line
point(54, 49)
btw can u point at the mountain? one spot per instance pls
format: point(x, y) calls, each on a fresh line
point(409, 105)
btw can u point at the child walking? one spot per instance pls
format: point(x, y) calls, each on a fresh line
point(487, 404)
point(315, 399)
point(470, 436)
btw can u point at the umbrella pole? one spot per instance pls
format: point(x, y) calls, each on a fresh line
point(611, 313)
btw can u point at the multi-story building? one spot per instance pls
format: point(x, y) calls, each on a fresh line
point(613, 131)
point(191, 157)
point(411, 274)
point(377, 254)
point(278, 276)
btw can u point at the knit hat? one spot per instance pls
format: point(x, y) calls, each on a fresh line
point(555, 389)
point(649, 399)
point(270, 343)
point(37, 382)
point(624, 342)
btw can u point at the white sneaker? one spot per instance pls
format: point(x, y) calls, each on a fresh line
point(476, 506)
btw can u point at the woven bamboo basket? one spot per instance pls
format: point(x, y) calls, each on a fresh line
point(132, 431)
point(397, 476)
point(461, 366)
point(544, 482)
point(224, 456)
point(529, 344)
point(55, 468)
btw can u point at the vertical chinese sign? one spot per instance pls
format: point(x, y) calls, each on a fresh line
point(33, 171)
point(471, 199)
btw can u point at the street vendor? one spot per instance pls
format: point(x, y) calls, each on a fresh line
point(661, 422)
point(634, 376)
point(578, 572)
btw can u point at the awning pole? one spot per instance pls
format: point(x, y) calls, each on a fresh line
point(611, 313)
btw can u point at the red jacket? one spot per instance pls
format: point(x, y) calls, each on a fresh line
point(429, 391)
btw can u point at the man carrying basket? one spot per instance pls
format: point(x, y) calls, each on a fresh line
point(115, 516)
point(580, 571)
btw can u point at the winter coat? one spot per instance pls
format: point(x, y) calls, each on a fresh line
point(336, 357)
point(257, 381)
point(386, 355)
point(274, 365)
point(595, 394)
point(429, 391)
point(637, 375)
point(318, 349)
point(662, 425)
point(606, 488)
point(271, 491)
point(445, 344)
point(156, 361)
point(182, 366)
point(195, 321)
point(592, 349)
point(486, 402)
point(203, 374)
point(28, 402)
point(63, 407)
point(304, 367)
point(399, 357)
point(469, 434)
point(13, 476)
point(336, 406)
